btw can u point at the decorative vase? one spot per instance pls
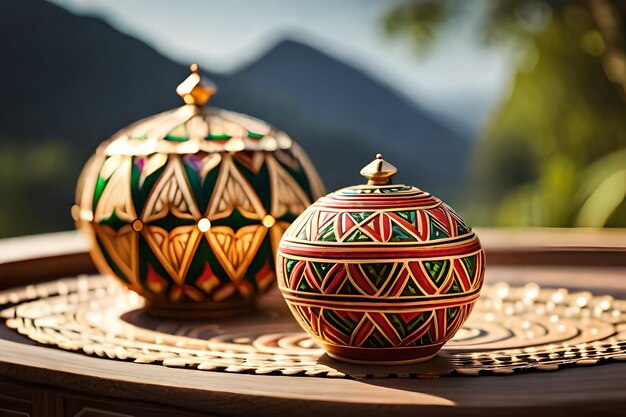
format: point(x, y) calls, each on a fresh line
point(187, 207)
point(380, 273)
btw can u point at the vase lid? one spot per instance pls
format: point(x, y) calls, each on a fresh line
point(378, 212)
point(379, 175)
point(196, 127)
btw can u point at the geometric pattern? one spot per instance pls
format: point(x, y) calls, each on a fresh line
point(146, 215)
point(389, 280)
point(412, 278)
point(423, 225)
point(367, 268)
point(380, 330)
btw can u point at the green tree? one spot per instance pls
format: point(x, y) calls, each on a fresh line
point(554, 153)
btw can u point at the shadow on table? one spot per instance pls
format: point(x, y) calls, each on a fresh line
point(569, 392)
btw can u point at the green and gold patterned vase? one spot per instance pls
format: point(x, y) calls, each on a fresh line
point(187, 207)
point(380, 273)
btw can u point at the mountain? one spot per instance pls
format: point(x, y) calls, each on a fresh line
point(68, 82)
point(343, 118)
point(75, 78)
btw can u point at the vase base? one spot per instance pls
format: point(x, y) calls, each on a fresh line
point(382, 356)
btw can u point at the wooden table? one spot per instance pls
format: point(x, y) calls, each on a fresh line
point(42, 381)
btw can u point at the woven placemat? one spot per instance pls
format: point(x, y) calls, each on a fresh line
point(513, 329)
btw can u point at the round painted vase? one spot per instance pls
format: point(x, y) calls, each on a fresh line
point(380, 273)
point(187, 207)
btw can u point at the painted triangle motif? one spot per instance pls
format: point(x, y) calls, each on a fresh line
point(359, 217)
point(235, 250)
point(463, 277)
point(348, 288)
point(403, 226)
point(251, 160)
point(378, 273)
point(375, 340)
point(358, 236)
point(409, 216)
point(175, 249)
point(182, 245)
point(422, 225)
point(398, 325)
point(116, 196)
point(379, 227)
point(343, 225)
point(442, 215)
point(156, 238)
point(287, 196)
point(303, 225)
point(289, 159)
point(400, 235)
point(303, 232)
point(421, 278)
point(461, 228)
point(232, 191)
point(121, 248)
point(328, 234)
point(362, 331)
point(207, 280)
point(437, 271)
point(437, 231)
point(320, 270)
point(456, 286)
point(470, 263)
point(304, 286)
point(171, 194)
point(340, 321)
point(451, 313)
point(325, 217)
point(411, 289)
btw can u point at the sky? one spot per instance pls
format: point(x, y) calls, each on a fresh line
point(460, 80)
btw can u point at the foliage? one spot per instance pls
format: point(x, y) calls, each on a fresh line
point(37, 170)
point(554, 153)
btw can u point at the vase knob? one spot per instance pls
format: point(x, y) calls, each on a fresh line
point(196, 89)
point(379, 171)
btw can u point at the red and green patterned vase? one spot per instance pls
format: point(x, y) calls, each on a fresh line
point(380, 273)
point(187, 207)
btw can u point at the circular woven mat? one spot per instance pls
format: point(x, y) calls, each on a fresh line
point(512, 330)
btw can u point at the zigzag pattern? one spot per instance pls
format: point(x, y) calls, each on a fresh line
point(385, 279)
point(147, 209)
point(416, 225)
point(379, 330)
point(380, 281)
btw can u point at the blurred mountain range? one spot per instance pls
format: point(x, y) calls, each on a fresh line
point(68, 82)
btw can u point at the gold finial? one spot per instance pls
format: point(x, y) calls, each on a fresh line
point(379, 171)
point(196, 89)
